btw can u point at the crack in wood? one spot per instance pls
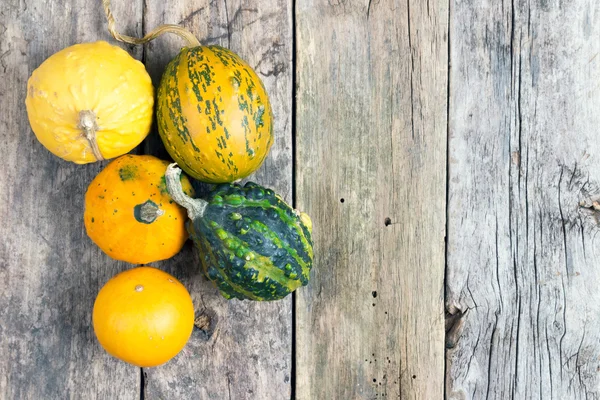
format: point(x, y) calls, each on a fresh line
point(193, 14)
point(412, 70)
point(228, 22)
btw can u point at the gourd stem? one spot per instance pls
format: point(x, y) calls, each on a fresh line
point(195, 207)
point(183, 33)
point(87, 123)
point(149, 211)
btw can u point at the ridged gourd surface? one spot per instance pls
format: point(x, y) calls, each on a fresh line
point(252, 244)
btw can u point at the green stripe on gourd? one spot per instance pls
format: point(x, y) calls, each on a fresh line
point(257, 260)
point(273, 207)
point(235, 272)
point(214, 270)
point(283, 225)
point(252, 244)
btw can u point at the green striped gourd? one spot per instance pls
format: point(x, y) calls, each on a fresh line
point(252, 244)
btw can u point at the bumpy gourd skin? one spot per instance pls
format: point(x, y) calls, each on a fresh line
point(96, 77)
point(253, 245)
point(213, 114)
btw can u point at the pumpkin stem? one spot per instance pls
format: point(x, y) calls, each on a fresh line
point(147, 212)
point(195, 207)
point(176, 29)
point(87, 123)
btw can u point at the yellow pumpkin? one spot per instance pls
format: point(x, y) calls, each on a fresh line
point(89, 102)
point(129, 213)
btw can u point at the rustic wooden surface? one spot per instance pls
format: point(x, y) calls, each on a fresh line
point(413, 122)
point(245, 352)
point(50, 272)
point(371, 171)
point(523, 270)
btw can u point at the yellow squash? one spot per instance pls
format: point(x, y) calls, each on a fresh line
point(213, 114)
point(129, 213)
point(89, 102)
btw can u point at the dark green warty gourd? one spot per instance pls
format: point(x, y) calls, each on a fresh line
point(252, 244)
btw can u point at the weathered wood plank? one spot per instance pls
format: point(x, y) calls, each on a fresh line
point(50, 272)
point(371, 162)
point(522, 253)
point(244, 352)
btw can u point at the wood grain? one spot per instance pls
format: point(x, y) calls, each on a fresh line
point(522, 237)
point(244, 349)
point(50, 272)
point(371, 161)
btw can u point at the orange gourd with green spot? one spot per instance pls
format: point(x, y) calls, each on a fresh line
point(129, 213)
point(214, 115)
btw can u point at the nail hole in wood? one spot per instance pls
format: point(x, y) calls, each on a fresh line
point(414, 376)
point(387, 221)
point(205, 324)
point(342, 200)
point(374, 293)
point(202, 322)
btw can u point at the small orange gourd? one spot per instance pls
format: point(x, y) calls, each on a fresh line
point(143, 316)
point(130, 215)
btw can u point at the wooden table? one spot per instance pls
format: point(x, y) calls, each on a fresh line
point(448, 153)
